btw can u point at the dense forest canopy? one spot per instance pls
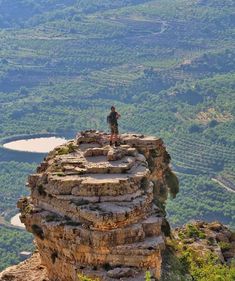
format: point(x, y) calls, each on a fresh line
point(167, 65)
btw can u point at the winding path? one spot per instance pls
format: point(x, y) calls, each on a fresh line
point(223, 185)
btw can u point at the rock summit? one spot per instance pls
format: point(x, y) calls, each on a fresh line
point(95, 210)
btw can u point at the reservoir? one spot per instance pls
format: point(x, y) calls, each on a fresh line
point(35, 145)
point(16, 221)
point(28, 149)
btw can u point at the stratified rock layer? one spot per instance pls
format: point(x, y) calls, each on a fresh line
point(28, 270)
point(92, 207)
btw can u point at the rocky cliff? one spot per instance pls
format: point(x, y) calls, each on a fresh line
point(94, 209)
point(98, 211)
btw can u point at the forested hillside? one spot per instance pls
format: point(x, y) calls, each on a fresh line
point(167, 65)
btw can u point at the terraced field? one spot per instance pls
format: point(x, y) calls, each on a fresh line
point(163, 63)
point(200, 155)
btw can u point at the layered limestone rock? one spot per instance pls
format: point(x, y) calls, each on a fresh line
point(92, 207)
point(28, 270)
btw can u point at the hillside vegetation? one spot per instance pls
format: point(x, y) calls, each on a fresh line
point(167, 65)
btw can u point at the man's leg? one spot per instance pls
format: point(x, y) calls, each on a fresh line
point(111, 139)
point(116, 140)
point(116, 136)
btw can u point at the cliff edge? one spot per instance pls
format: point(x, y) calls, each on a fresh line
point(96, 209)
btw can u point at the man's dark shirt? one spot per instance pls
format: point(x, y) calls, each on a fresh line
point(113, 118)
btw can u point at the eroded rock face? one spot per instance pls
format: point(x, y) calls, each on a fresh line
point(92, 208)
point(28, 270)
point(212, 237)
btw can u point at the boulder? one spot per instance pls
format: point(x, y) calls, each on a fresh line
point(121, 272)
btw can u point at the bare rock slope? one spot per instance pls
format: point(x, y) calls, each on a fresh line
point(93, 208)
point(28, 270)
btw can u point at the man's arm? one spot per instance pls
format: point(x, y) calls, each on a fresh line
point(118, 115)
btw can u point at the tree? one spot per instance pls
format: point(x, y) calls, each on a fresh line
point(24, 92)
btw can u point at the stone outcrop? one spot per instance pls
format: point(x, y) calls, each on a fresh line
point(94, 209)
point(28, 270)
point(212, 237)
point(198, 237)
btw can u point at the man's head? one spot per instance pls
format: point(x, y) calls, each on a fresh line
point(112, 108)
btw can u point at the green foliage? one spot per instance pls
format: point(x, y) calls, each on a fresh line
point(66, 149)
point(224, 246)
point(193, 231)
point(61, 174)
point(209, 269)
point(13, 177)
point(82, 277)
point(172, 183)
point(194, 128)
point(164, 64)
point(27, 210)
point(202, 266)
point(12, 242)
point(23, 92)
point(200, 198)
point(173, 267)
point(147, 276)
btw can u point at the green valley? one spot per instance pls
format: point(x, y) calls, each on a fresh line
point(167, 65)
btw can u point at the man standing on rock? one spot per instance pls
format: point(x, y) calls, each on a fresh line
point(112, 121)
